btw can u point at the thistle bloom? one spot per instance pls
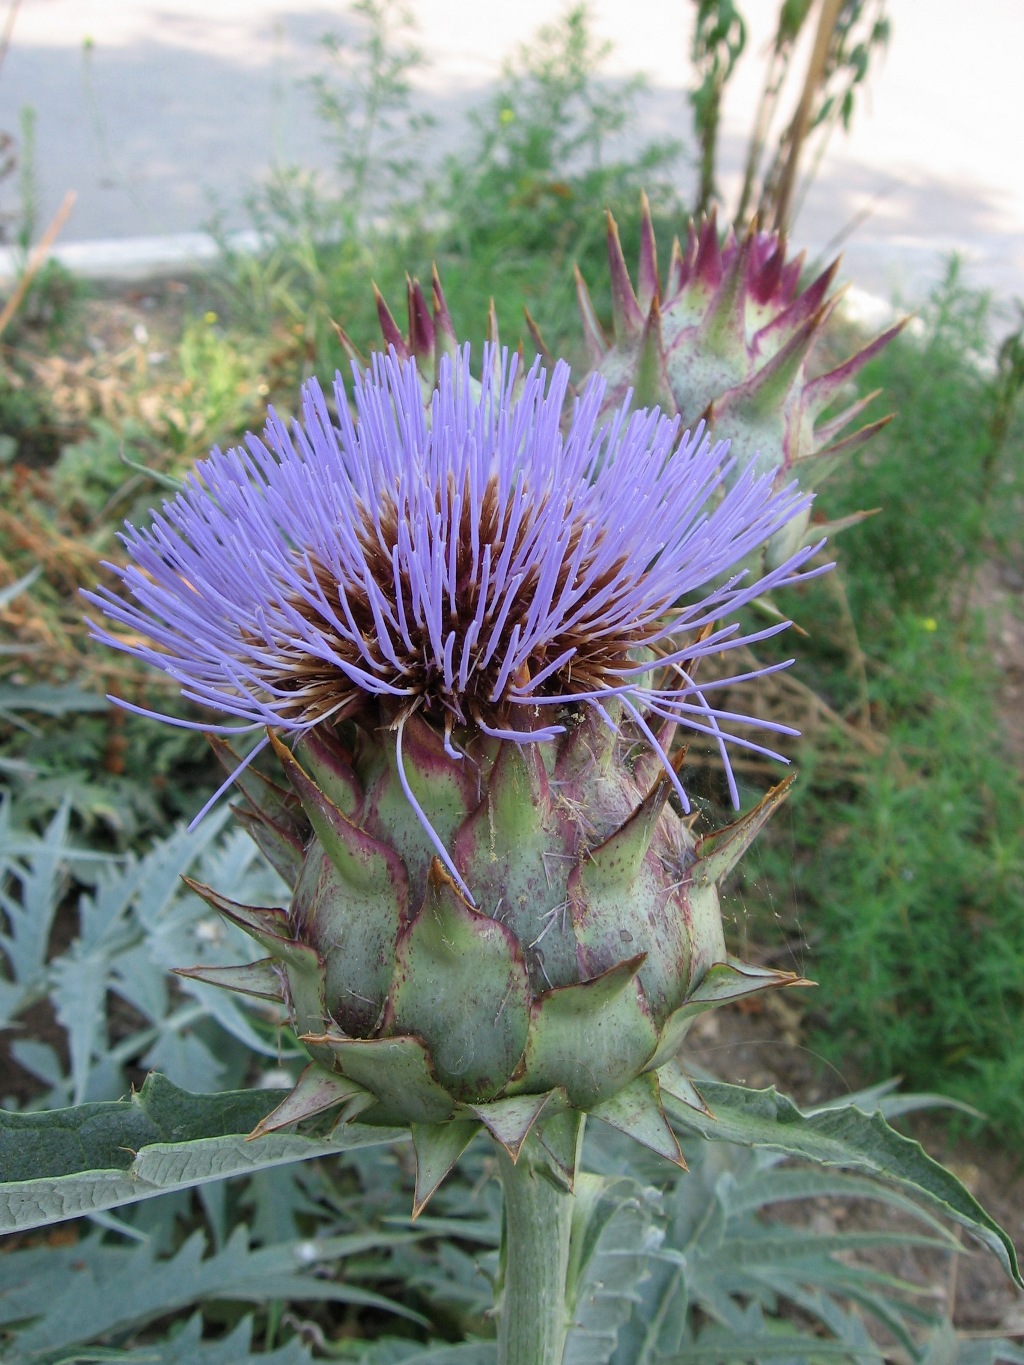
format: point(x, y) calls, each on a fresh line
point(472, 565)
point(480, 628)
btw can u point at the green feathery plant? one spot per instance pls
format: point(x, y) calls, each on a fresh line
point(906, 868)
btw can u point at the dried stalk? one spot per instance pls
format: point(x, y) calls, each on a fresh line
point(37, 259)
point(827, 20)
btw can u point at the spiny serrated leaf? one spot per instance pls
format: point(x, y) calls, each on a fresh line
point(77, 1294)
point(818, 1295)
point(40, 871)
point(774, 1245)
point(184, 1059)
point(773, 1185)
point(735, 1267)
point(278, 1199)
point(843, 1137)
point(722, 1346)
point(164, 865)
point(80, 999)
point(188, 1348)
point(67, 1162)
point(395, 1352)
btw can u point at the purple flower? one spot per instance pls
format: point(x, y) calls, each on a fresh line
point(479, 565)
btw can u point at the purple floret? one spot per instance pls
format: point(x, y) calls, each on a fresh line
point(475, 565)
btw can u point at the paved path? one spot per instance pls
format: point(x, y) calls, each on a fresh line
point(159, 111)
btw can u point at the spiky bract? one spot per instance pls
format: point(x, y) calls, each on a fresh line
point(567, 988)
point(730, 340)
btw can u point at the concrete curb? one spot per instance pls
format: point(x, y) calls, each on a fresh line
point(122, 260)
point(132, 258)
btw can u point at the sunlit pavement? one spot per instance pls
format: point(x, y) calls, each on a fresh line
point(161, 112)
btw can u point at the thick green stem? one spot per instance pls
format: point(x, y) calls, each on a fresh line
point(535, 1253)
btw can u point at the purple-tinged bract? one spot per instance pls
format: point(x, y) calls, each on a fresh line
point(480, 626)
point(731, 338)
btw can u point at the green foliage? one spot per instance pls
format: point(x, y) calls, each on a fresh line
point(862, 35)
point(50, 303)
point(526, 200)
point(318, 247)
point(927, 471)
point(117, 470)
point(363, 105)
point(108, 1291)
point(51, 308)
point(851, 36)
point(719, 37)
point(616, 1231)
point(186, 1347)
point(123, 780)
point(707, 1270)
point(362, 99)
point(910, 887)
point(543, 159)
point(908, 882)
point(28, 181)
point(845, 1135)
point(217, 391)
point(27, 425)
point(730, 1274)
point(134, 921)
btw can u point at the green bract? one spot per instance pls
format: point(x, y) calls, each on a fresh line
point(567, 988)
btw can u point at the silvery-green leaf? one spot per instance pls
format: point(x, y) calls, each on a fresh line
point(40, 870)
point(63, 1297)
point(394, 1352)
point(615, 1233)
point(187, 1347)
point(67, 1162)
point(847, 1137)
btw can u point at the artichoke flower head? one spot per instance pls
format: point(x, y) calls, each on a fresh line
point(470, 632)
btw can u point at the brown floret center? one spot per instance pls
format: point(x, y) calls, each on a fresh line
point(322, 689)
